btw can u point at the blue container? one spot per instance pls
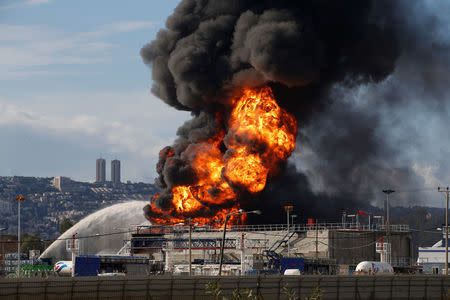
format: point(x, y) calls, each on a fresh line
point(87, 265)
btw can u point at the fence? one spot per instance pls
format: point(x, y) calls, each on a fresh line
point(163, 229)
point(267, 287)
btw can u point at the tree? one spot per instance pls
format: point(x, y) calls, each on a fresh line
point(31, 242)
point(65, 225)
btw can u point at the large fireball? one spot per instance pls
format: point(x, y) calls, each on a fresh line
point(260, 135)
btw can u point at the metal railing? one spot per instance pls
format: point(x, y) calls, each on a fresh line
point(174, 229)
point(148, 243)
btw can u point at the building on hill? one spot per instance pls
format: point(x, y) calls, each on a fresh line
point(100, 170)
point(115, 172)
point(65, 184)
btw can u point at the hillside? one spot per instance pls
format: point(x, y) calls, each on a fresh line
point(47, 204)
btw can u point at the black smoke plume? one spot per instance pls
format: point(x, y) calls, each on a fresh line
point(314, 54)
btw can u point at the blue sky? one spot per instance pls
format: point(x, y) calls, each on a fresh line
point(73, 87)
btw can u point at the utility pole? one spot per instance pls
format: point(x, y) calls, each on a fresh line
point(222, 245)
point(18, 199)
point(190, 247)
point(227, 218)
point(288, 209)
point(317, 240)
point(388, 221)
point(446, 226)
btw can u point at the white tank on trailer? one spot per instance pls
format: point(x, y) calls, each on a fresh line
point(374, 267)
point(64, 268)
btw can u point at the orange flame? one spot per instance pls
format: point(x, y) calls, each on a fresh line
point(260, 135)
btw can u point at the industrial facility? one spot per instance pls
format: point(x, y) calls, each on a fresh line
point(323, 248)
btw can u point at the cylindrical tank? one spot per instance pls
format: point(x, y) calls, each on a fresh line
point(64, 268)
point(374, 267)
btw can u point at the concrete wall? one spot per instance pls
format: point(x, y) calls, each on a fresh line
point(306, 246)
point(352, 247)
point(268, 287)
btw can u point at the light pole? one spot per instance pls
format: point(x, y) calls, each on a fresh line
point(292, 224)
point(446, 226)
point(190, 246)
point(18, 199)
point(227, 218)
point(288, 209)
point(388, 217)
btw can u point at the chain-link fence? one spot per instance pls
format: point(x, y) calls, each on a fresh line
point(264, 287)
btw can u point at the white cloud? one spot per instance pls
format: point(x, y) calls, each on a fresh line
point(21, 3)
point(35, 2)
point(26, 47)
point(22, 74)
point(131, 25)
point(119, 27)
point(131, 124)
point(118, 135)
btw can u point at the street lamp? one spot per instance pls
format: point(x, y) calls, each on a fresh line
point(227, 218)
point(18, 199)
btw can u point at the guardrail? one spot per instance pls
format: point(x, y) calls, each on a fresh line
point(174, 229)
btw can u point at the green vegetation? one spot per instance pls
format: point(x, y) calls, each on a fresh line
point(31, 242)
point(213, 288)
point(30, 271)
point(65, 225)
point(315, 295)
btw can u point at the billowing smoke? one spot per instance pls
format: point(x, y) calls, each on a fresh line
point(318, 57)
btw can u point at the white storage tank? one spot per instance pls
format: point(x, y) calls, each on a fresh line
point(374, 268)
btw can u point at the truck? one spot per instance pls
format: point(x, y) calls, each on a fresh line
point(104, 265)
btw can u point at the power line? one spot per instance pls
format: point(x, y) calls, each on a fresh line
point(359, 235)
point(349, 248)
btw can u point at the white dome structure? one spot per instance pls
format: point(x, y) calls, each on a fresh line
point(102, 232)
